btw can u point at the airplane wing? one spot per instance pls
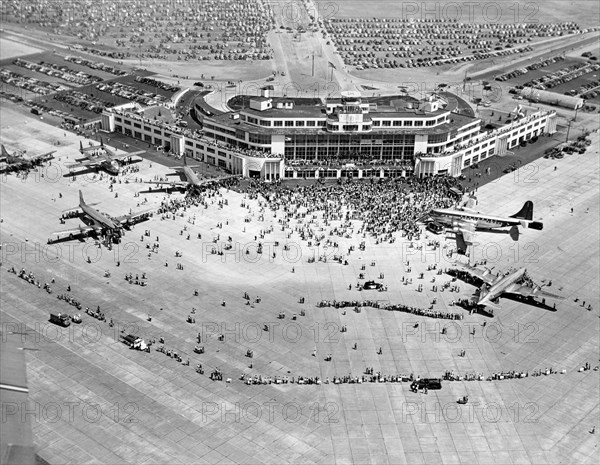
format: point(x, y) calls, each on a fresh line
point(541, 292)
point(81, 164)
point(217, 179)
point(223, 178)
point(526, 290)
point(484, 275)
point(464, 234)
point(43, 156)
point(136, 217)
point(125, 156)
point(463, 240)
point(170, 183)
point(80, 231)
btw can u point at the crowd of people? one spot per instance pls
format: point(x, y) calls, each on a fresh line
point(363, 162)
point(383, 207)
point(391, 307)
point(371, 376)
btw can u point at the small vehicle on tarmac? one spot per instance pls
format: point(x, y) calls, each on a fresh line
point(60, 319)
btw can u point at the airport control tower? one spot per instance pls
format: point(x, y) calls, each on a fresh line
point(348, 114)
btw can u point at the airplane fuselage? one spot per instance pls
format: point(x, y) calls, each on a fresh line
point(191, 177)
point(450, 217)
point(497, 289)
point(110, 166)
point(99, 218)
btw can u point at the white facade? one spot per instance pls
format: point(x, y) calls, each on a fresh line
point(444, 153)
point(497, 142)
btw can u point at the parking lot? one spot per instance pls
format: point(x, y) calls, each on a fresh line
point(78, 89)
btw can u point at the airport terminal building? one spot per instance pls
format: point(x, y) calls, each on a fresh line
point(274, 138)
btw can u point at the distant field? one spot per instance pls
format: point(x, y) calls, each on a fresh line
point(584, 13)
point(12, 49)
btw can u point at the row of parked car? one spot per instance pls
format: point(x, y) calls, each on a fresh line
point(154, 83)
point(363, 62)
point(131, 93)
point(96, 65)
point(11, 97)
point(577, 146)
point(55, 70)
point(39, 109)
point(29, 83)
point(520, 71)
point(83, 101)
point(586, 91)
point(563, 75)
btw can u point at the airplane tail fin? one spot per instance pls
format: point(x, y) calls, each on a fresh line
point(481, 292)
point(81, 201)
point(514, 233)
point(525, 213)
point(4, 152)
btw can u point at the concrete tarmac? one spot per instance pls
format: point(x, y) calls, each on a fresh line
point(96, 401)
